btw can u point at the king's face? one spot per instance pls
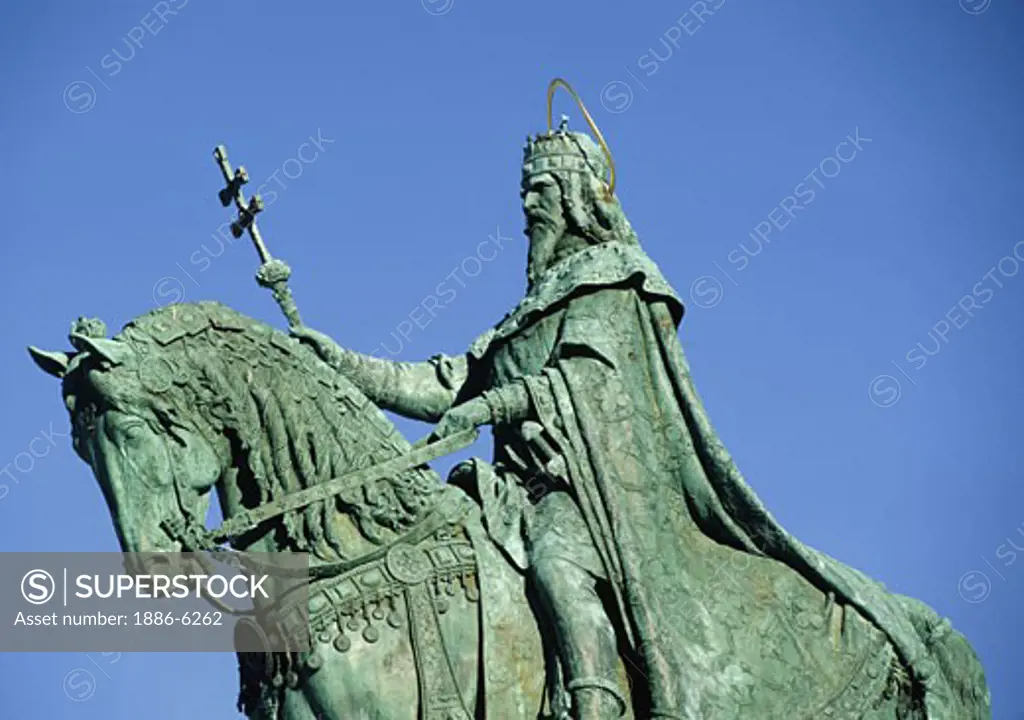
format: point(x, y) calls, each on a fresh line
point(542, 203)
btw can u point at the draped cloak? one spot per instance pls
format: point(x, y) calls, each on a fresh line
point(656, 486)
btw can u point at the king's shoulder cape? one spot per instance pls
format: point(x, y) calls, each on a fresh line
point(605, 265)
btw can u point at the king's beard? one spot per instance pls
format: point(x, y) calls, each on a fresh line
point(544, 239)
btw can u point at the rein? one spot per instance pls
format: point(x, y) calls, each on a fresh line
point(195, 538)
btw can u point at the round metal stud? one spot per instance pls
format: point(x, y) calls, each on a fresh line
point(407, 564)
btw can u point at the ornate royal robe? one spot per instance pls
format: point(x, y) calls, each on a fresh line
point(715, 595)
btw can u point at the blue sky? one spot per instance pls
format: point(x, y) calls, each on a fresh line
point(834, 188)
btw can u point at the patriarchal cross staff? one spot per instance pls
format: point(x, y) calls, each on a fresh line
point(273, 273)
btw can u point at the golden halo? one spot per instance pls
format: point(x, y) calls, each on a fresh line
point(610, 185)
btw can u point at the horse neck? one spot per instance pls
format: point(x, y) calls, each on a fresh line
point(331, 429)
point(233, 486)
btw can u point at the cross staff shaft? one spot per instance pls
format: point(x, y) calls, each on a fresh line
point(246, 212)
point(273, 273)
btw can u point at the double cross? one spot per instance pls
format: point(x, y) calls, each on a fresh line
point(273, 273)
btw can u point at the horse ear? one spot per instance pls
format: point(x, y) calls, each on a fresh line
point(113, 351)
point(51, 363)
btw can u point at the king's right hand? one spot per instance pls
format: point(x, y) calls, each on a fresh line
point(328, 350)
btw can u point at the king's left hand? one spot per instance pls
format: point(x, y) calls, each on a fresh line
point(470, 414)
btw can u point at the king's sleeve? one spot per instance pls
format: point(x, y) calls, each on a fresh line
point(417, 390)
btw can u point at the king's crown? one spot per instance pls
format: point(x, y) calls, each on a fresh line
point(562, 151)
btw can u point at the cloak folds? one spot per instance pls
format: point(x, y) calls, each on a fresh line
point(669, 510)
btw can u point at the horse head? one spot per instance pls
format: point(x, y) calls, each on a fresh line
point(193, 397)
point(151, 466)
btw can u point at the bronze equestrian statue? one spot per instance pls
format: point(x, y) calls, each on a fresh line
point(610, 562)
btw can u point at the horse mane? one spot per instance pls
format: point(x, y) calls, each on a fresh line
point(291, 421)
